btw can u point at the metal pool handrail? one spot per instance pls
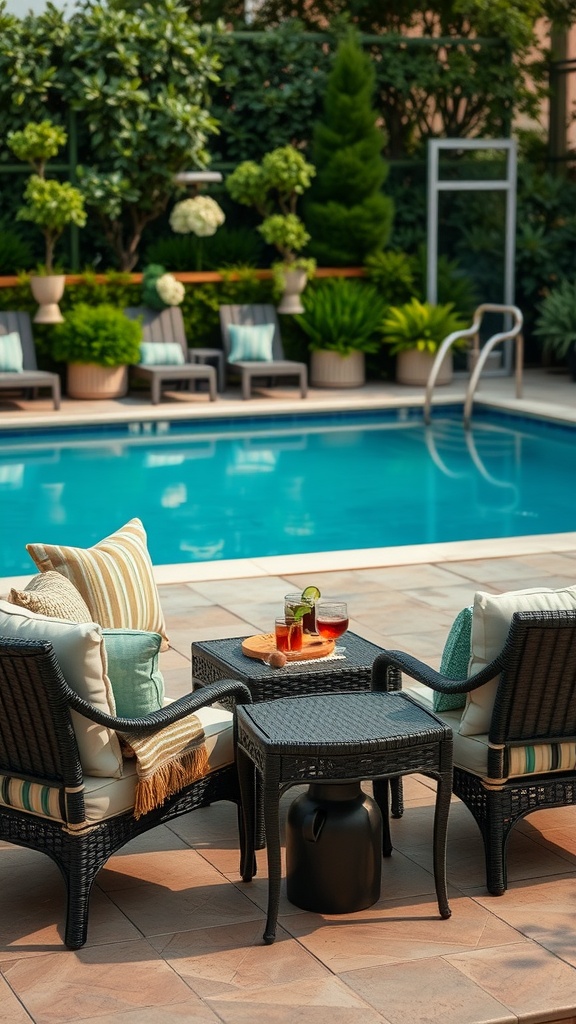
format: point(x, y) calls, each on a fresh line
point(480, 356)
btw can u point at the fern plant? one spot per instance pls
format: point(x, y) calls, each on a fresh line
point(342, 315)
point(420, 325)
point(556, 321)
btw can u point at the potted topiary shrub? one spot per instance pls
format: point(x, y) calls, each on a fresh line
point(51, 205)
point(415, 331)
point(341, 318)
point(556, 324)
point(276, 185)
point(98, 343)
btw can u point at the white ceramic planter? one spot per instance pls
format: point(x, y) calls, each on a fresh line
point(294, 285)
point(48, 290)
point(86, 380)
point(331, 370)
point(413, 367)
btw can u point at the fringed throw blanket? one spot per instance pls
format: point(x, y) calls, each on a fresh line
point(166, 761)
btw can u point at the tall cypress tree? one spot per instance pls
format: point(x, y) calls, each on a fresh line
point(347, 214)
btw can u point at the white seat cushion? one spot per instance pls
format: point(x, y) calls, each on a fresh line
point(108, 797)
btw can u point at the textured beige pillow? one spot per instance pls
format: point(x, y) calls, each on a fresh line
point(79, 648)
point(50, 593)
point(491, 620)
point(115, 578)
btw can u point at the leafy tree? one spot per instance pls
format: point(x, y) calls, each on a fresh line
point(139, 80)
point(347, 215)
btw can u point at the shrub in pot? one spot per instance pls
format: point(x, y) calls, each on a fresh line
point(414, 331)
point(341, 319)
point(50, 204)
point(273, 189)
point(98, 343)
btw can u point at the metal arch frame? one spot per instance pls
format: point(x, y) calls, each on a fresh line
point(508, 185)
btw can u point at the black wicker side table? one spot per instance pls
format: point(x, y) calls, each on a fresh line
point(339, 737)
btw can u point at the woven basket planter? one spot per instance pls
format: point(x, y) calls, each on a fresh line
point(87, 380)
point(331, 370)
point(413, 367)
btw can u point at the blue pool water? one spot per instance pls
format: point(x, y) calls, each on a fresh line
point(283, 485)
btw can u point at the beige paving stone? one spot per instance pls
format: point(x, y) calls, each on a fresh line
point(192, 1011)
point(12, 1010)
point(154, 909)
point(427, 992)
point(396, 930)
point(111, 978)
point(524, 977)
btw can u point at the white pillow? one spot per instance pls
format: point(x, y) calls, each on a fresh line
point(79, 648)
point(491, 620)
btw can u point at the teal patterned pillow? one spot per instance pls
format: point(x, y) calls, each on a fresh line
point(161, 353)
point(137, 683)
point(455, 660)
point(251, 342)
point(11, 357)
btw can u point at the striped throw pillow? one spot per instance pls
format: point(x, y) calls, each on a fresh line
point(115, 578)
point(251, 342)
point(161, 353)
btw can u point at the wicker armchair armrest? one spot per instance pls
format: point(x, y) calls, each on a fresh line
point(230, 688)
point(388, 666)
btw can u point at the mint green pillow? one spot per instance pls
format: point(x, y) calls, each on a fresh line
point(137, 682)
point(11, 358)
point(251, 343)
point(161, 353)
point(455, 660)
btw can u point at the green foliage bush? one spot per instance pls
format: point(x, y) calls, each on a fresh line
point(556, 320)
point(15, 251)
point(341, 315)
point(229, 247)
point(97, 334)
point(420, 325)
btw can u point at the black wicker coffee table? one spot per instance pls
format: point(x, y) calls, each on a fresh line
point(223, 659)
point(338, 737)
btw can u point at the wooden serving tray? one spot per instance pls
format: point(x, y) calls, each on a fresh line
point(264, 643)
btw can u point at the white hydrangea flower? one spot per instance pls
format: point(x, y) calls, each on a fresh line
point(200, 216)
point(170, 290)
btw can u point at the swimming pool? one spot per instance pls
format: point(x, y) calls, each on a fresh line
point(245, 488)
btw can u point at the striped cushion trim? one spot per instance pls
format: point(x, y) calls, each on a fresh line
point(115, 578)
point(543, 757)
point(30, 796)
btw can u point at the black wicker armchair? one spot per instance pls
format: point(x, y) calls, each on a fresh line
point(527, 760)
point(44, 796)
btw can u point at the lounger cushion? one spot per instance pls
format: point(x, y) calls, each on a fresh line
point(455, 660)
point(11, 355)
point(161, 353)
point(251, 342)
point(50, 593)
point(491, 620)
point(115, 578)
point(137, 682)
point(79, 648)
point(108, 797)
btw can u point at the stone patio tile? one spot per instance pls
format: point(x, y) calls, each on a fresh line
point(33, 908)
point(396, 930)
point(12, 1010)
point(108, 979)
point(240, 977)
point(526, 978)
point(154, 909)
point(427, 992)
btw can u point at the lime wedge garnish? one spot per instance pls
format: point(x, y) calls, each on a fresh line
point(310, 594)
point(299, 612)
